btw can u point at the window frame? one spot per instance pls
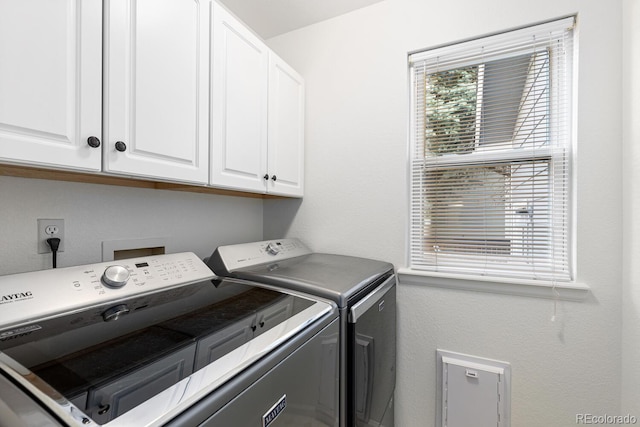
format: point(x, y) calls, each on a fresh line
point(481, 157)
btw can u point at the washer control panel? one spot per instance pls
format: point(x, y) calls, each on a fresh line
point(226, 259)
point(42, 294)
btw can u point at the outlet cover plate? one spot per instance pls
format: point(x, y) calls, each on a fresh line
point(43, 247)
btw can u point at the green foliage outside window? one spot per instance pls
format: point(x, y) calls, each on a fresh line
point(451, 111)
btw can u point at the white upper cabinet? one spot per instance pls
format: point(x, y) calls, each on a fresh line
point(286, 129)
point(257, 113)
point(165, 90)
point(156, 106)
point(50, 83)
point(239, 105)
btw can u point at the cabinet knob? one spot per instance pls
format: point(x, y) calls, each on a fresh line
point(93, 142)
point(121, 146)
point(266, 176)
point(103, 409)
point(274, 178)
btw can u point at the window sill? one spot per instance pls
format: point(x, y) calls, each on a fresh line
point(519, 287)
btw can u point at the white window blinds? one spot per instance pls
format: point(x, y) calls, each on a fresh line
point(491, 144)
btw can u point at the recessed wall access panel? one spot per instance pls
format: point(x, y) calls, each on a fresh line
point(113, 250)
point(474, 391)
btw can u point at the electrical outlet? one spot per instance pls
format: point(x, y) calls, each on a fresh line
point(48, 228)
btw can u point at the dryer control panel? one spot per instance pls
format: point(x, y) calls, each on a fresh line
point(227, 259)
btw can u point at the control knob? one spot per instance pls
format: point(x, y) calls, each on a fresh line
point(115, 276)
point(273, 248)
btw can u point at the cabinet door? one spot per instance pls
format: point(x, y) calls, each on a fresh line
point(216, 345)
point(156, 89)
point(239, 105)
point(113, 399)
point(50, 82)
point(286, 129)
point(274, 315)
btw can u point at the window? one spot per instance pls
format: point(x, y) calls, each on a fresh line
point(490, 155)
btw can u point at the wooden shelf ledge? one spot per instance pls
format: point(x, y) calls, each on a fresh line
point(104, 179)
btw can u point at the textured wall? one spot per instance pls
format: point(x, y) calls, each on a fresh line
point(631, 208)
point(95, 213)
point(355, 69)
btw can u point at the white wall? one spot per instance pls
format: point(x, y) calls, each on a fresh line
point(356, 202)
point(95, 213)
point(631, 207)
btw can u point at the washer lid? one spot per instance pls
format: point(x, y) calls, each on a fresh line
point(339, 278)
point(101, 344)
point(186, 355)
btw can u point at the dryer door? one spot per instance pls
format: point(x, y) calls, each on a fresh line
point(371, 347)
